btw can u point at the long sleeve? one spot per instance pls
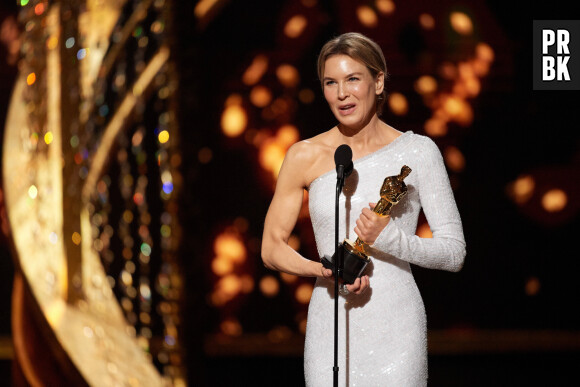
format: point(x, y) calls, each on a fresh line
point(446, 250)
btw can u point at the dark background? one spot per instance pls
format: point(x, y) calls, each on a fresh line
point(515, 131)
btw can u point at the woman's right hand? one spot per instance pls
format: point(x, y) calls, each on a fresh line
point(326, 273)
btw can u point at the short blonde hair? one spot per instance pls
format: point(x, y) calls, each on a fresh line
point(360, 48)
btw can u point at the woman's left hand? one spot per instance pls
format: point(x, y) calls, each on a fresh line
point(370, 224)
point(359, 286)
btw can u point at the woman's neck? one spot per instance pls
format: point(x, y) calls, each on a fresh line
point(373, 135)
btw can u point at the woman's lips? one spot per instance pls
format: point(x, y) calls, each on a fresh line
point(346, 109)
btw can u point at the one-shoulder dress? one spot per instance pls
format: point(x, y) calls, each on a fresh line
point(382, 333)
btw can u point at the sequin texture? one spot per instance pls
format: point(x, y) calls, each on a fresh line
point(382, 333)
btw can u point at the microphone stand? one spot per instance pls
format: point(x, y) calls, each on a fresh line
point(337, 270)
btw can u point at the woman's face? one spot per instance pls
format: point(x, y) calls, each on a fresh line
point(350, 90)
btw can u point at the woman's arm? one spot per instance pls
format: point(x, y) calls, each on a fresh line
point(446, 250)
point(282, 216)
point(281, 219)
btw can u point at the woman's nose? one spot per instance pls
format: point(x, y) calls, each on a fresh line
point(342, 91)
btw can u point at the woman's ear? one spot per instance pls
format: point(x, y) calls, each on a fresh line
point(379, 83)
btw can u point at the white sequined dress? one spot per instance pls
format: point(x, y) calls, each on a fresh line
point(382, 333)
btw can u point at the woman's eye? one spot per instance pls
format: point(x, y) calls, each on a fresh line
point(328, 83)
point(353, 79)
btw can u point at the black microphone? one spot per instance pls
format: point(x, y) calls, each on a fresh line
point(343, 161)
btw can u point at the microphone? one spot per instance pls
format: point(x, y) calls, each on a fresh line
point(343, 161)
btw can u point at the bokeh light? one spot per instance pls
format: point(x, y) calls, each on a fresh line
point(39, 9)
point(48, 137)
point(386, 7)
point(436, 126)
point(426, 84)
point(163, 136)
point(271, 156)
point(260, 96)
point(231, 327)
point(533, 286)
point(222, 265)
point(32, 191)
point(522, 189)
point(76, 238)
point(427, 21)
point(230, 285)
point(30, 79)
point(461, 23)
point(231, 246)
point(288, 278)
point(367, 16)
point(303, 293)
point(454, 159)
point(398, 104)
point(234, 120)
point(287, 135)
point(295, 26)
point(554, 200)
point(269, 286)
point(288, 75)
point(256, 70)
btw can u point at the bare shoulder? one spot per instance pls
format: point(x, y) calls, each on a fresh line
point(307, 150)
point(310, 158)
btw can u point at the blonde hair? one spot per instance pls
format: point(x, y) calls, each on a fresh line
point(360, 48)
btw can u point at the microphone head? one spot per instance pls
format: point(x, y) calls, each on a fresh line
point(343, 156)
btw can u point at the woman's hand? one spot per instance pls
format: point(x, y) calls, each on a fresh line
point(359, 286)
point(326, 273)
point(370, 224)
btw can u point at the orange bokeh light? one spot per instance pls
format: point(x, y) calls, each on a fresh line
point(533, 286)
point(230, 285)
point(234, 120)
point(303, 293)
point(222, 265)
point(269, 286)
point(288, 75)
point(522, 189)
point(367, 16)
point(30, 79)
point(436, 127)
point(398, 104)
point(454, 159)
point(231, 327)
point(287, 135)
point(288, 278)
point(554, 200)
point(461, 23)
point(427, 21)
point(386, 7)
point(272, 156)
point(485, 52)
point(39, 9)
point(426, 84)
point(230, 246)
point(260, 96)
point(295, 26)
point(256, 70)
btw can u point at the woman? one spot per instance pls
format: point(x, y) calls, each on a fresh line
point(382, 329)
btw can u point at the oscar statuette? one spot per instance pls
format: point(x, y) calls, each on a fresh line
point(354, 255)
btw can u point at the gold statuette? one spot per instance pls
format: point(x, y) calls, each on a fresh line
point(354, 255)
